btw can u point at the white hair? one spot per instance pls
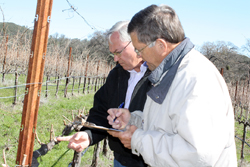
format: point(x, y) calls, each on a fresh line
point(121, 27)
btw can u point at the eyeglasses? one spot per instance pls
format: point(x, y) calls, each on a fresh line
point(138, 52)
point(119, 53)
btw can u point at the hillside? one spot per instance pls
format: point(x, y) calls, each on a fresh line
point(12, 29)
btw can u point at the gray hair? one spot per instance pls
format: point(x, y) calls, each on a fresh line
point(156, 22)
point(121, 27)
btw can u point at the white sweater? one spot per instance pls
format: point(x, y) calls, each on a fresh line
point(194, 126)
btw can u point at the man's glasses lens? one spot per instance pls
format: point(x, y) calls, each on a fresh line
point(138, 52)
point(119, 53)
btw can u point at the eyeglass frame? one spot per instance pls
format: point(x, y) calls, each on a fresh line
point(119, 53)
point(138, 52)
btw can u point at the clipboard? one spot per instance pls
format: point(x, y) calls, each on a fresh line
point(93, 126)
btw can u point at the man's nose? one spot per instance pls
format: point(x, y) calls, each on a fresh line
point(116, 58)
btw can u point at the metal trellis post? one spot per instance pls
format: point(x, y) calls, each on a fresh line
point(35, 75)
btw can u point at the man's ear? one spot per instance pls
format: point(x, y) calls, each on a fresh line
point(161, 45)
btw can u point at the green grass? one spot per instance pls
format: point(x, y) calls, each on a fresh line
point(50, 112)
point(239, 133)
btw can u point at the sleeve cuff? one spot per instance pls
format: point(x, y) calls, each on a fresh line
point(136, 119)
point(135, 142)
point(90, 136)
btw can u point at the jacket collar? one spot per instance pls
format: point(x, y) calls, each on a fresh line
point(166, 71)
point(169, 61)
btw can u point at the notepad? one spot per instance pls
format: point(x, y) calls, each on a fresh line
point(93, 126)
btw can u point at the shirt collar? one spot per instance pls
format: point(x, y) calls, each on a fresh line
point(143, 68)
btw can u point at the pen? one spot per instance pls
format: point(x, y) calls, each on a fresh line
point(120, 106)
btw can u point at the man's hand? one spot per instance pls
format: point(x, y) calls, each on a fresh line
point(125, 137)
point(122, 117)
point(77, 142)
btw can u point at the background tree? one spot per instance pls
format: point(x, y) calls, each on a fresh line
point(246, 47)
point(226, 55)
point(99, 49)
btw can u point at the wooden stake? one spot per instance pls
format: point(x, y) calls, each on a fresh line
point(97, 74)
point(86, 72)
point(5, 55)
point(67, 79)
point(221, 71)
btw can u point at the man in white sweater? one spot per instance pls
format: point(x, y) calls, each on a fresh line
point(188, 118)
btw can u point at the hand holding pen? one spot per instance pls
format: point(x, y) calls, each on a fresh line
point(118, 118)
point(120, 106)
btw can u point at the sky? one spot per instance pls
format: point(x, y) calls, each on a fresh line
point(202, 20)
